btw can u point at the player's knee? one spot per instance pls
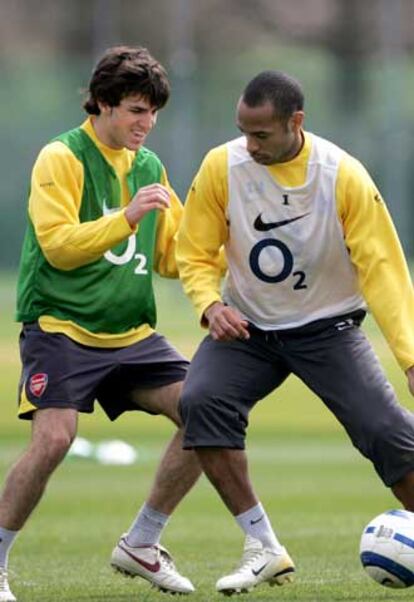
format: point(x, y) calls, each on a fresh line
point(214, 415)
point(192, 405)
point(54, 445)
point(169, 404)
point(378, 436)
point(384, 448)
point(173, 414)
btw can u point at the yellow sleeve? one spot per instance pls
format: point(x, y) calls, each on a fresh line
point(377, 254)
point(54, 202)
point(203, 231)
point(168, 221)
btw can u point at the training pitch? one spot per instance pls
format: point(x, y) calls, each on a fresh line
point(318, 491)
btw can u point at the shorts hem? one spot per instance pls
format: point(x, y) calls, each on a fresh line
point(28, 414)
point(390, 482)
point(162, 382)
point(217, 444)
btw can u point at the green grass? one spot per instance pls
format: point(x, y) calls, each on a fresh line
point(317, 490)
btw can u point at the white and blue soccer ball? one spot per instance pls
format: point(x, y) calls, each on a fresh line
point(387, 549)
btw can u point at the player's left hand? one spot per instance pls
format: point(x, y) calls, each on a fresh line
point(225, 323)
point(410, 376)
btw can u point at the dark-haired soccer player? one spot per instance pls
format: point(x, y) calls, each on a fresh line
point(309, 245)
point(102, 216)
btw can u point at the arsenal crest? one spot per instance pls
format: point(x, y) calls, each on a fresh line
point(38, 384)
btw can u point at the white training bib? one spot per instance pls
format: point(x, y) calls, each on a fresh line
point(288, 263)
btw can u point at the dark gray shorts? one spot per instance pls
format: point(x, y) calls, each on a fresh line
point(57, 372)
point(332, 357)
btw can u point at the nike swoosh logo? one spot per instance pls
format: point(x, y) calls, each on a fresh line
point(262, 226)
point(153, 568)
point(262, 568)
point(254, 522)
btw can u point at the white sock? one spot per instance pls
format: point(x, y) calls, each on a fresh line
point(7, 538)
point(256, 523)
point(147, 527)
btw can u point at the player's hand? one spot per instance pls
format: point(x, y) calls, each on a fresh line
point(225, 323)
point(410, 376)
point(154, 196)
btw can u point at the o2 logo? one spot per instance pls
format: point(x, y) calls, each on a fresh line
point(128, 255)
point(130, 252)
point(287, 264)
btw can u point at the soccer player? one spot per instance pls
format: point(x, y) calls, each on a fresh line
point(102, 216)
point(310, 245)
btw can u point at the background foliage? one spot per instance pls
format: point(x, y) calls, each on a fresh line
point(355, 60)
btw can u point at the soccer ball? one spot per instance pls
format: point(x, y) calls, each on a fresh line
point(387, 548)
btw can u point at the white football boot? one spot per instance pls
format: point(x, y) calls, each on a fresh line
point(5, 593)
point(258, 565)
point(153, 563)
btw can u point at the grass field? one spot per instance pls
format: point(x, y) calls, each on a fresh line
point(318, 492)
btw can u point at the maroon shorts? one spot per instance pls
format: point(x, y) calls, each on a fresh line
point(57, 372)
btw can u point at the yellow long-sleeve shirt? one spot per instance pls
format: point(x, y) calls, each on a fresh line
point(368, 232)
point(54, 202)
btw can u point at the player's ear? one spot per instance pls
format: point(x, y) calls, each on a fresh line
point(297, 119)
point(103, 107)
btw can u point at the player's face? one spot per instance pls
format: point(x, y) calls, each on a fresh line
point(268, 139)
point(128, 124)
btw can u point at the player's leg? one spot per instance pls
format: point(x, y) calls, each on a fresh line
point(53, 431)
point(178, 469)
point(224, 381)
point(176, 474)
point(47, 359)
point(341, 367)
point(59, 379)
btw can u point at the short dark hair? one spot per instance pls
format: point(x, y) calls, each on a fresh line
point(283, 91)
point(125, 70)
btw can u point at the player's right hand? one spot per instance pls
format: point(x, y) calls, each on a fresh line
point(154, 196)
point(225, 323)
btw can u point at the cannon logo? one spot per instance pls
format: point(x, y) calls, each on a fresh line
point(38, 384)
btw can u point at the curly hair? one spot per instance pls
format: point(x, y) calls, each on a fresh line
point(125, 70)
